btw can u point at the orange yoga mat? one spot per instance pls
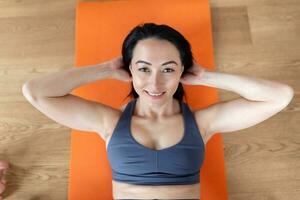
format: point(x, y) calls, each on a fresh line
point(100, 30)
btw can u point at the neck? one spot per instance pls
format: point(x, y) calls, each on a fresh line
point(157, 111)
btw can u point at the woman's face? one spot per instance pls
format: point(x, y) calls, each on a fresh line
point(155, 67)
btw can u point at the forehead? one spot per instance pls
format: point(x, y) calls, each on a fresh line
point(155, 51)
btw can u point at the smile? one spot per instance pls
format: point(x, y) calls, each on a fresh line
point(155, 95)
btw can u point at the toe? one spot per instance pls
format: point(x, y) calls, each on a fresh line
point(2, 188)
point(4, 164)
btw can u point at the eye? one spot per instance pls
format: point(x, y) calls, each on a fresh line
point(169, 69)
point(141, 69)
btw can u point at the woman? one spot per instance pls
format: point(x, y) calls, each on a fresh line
point(157, 128)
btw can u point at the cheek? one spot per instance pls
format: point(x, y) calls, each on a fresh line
point(137, 81)
point(174, 86)
point(138, 85)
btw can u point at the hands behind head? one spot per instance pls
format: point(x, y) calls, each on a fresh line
point(193, 74)
point(191, 77)
point(118, 72)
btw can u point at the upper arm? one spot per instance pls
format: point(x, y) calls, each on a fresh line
point(75, 112)
point(235, 115)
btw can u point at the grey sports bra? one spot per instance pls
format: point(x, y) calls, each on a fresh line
point(134, 163)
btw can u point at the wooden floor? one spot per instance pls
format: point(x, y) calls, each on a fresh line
point(251, 37)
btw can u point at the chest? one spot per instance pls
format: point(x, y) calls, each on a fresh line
point(157, 135)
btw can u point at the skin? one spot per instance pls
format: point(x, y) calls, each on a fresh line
point(155, 77)
point(3, 168)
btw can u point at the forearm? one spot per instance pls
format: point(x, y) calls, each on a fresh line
point(63, 82)
point(255, 89)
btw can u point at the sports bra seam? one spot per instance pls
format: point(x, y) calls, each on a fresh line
point(118, 124)
point(195, 125)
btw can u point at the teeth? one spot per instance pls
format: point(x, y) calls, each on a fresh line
point(152, 94)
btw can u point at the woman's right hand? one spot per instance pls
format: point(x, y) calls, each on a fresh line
point(116, 65)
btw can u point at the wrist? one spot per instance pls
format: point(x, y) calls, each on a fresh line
point(104, 70)
point(204, 75)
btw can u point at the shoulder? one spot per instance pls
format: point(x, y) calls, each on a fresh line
point(123, 108)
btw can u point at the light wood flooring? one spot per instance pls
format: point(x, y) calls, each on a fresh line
point(251, 37)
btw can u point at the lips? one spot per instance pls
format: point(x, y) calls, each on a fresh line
point(155, 92)
point(155, 97)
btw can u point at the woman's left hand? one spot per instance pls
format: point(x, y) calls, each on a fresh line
point(193, 75)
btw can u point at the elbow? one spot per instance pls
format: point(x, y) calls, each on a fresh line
point(27, 92)
point(286, 95)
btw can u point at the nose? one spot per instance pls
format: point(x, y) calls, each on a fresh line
point(156, 80)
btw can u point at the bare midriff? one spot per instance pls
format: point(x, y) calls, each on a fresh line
point(123, 190)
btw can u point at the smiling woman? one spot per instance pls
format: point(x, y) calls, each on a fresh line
point(150, 157)
point(150, 48)
point(159, 58)
point(159, 76)
point(156, 145)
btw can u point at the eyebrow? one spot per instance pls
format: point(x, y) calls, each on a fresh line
point(171, 61)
